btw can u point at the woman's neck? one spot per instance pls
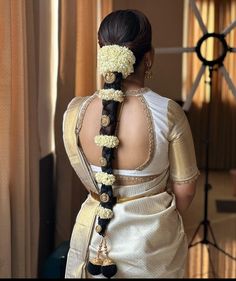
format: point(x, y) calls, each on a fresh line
point(133, 83)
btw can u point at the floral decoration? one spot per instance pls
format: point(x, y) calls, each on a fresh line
point(107, 141)
point(115, 58)
point(105, 178)
point(111, 94)
point(104, 213)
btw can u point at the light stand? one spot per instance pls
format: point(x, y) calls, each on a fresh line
point(205, 223)
point(212, 65)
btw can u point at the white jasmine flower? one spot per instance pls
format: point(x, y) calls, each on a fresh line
point(105, 178)
point(111, 94)
point(115, 58)
point(104, 213)
point(107, 141)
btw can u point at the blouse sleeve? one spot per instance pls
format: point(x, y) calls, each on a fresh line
point(182, 158)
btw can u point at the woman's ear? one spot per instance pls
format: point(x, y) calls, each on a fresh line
point(149, 58)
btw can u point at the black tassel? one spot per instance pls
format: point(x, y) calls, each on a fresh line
point(108, 268)
point(94, 266)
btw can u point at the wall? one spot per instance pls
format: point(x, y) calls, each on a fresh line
point(166, 17)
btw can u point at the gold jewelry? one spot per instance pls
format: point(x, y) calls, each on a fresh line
point(108, 267)
point(104, 197)
point(98, 228)
point(107, 261)
point(105, 120)
point(110, 77)
point(148, 73)
point(95, 265)
point(103, 161)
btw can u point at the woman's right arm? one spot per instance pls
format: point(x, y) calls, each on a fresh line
point(184, 194)
point(183, 167)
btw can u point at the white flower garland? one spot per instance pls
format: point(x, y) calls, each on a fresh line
point(107, 141)
point(104, 213)
point(105, 178)
point(111, 94)
point(115, 58)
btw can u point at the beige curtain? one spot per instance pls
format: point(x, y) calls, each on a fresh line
point(47, 44)
point(217, 15)
point(19, 142)
point(77, 77)
point(206, 261)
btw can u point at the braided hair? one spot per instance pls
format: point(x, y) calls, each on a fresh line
point(129, 29)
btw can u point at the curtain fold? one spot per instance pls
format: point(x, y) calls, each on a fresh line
point(65, 92)
point(77, 76)
point(19, 141)
point(86, 47)
point(217, 15)
point(47, 45)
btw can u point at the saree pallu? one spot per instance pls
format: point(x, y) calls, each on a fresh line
point(145, 238)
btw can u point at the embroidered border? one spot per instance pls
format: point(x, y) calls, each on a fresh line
point(80, 116)
point(150, 133)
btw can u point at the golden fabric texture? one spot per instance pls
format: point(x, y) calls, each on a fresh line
point(183, 166)
point(19, 143)
point(119, 199)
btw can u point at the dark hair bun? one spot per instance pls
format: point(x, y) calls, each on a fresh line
point(129, 28)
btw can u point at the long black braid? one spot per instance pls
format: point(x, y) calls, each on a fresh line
point(110, 109)
point(129, 28)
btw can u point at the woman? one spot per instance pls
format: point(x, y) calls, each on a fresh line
point(133, 151)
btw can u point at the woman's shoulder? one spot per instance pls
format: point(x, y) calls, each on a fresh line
point(157, 101)
point(78, 101)
point(172, 105)
point(175, 111)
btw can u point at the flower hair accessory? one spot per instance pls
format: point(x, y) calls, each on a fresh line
point(111, 94)
point(107, 141)
point(104, 213)
point(115, 58)
point(105, 178)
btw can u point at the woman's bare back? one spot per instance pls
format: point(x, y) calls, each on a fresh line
point(133, 133)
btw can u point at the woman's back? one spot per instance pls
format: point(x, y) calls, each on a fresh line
point(133, 133)
point(130, 229)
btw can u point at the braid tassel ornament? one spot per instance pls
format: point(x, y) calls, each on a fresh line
point(108, 267)
point(95, 265)
point(99, 265)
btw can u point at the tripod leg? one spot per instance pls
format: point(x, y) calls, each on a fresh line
point(216, 245)
point(194, 235)
point(212, 234)
point(211, 263)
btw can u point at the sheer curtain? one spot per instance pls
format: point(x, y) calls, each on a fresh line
point(77, 76)
point(19, 141)
point(28, 63)
point(217, 15)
